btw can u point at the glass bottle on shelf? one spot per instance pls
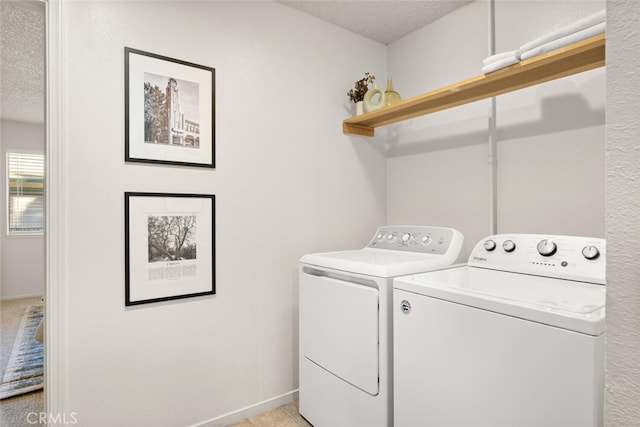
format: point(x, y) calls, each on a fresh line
point(390, 95)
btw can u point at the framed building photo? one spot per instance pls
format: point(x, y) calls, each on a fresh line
point(169, 110)
point(169, 246)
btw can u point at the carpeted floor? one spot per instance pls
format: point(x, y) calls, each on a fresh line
point(24, 371)
point(14, 411)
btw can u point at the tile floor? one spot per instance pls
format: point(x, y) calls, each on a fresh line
point(283, 416)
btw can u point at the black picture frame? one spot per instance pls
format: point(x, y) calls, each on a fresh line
point(169, 246)
point(169, 114)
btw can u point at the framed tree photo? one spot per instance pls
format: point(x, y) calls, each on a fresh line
point(169, 110)
point(169, 246)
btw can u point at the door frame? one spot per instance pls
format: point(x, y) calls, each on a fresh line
point(55, 220)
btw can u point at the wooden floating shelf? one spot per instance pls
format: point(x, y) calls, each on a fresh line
point(572, 59)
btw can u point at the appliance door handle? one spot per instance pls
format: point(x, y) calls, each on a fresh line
point(310, 271)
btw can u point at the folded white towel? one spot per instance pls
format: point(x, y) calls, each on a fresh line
point(564, 41)
point(501, 56)
point(589, 21)
point(496, 65)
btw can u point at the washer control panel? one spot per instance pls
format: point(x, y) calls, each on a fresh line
point(417, 238)
point(563, 257)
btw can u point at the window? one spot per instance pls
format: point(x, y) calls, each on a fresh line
point(25, 193)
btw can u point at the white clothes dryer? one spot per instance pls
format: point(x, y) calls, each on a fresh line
point(345, 325)
point(513, 339)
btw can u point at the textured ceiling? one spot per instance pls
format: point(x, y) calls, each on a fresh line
point(384, 21)
point(22, 39)
point(22, 53)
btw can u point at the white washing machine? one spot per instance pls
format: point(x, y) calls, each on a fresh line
point(346, 322)
point(513, 339)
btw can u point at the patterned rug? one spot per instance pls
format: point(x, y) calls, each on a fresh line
point(24, 371)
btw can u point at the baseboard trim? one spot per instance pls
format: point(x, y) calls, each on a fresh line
point(12, 298)
point(249, 411)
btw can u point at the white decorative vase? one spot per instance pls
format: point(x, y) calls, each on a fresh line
point(359, 108)
point(369, 103)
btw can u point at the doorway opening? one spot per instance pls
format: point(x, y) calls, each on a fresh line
point(23, 136)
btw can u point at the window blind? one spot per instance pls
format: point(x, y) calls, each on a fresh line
point(25, 182)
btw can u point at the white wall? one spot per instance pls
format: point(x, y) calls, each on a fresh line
point(22, 261)
point(622, 407)
point(551, 160)
point(287, 182)
point(550, 176)
point(437, 171)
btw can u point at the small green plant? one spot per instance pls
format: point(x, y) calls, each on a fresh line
point(362, 86)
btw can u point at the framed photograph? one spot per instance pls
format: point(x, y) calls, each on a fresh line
point(169, 246)
point(169, 113)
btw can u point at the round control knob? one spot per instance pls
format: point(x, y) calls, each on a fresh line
point(590, 252)
point(489, 245)
point(380, 237)
point(508, 246)
point(426, 240)
point(406, 237)
point(391, 237)
point(546, 247)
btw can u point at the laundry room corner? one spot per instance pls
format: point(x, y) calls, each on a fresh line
point(549, 138)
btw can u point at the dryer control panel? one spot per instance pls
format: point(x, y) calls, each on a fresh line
point(563, 257)
point(417, 238)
